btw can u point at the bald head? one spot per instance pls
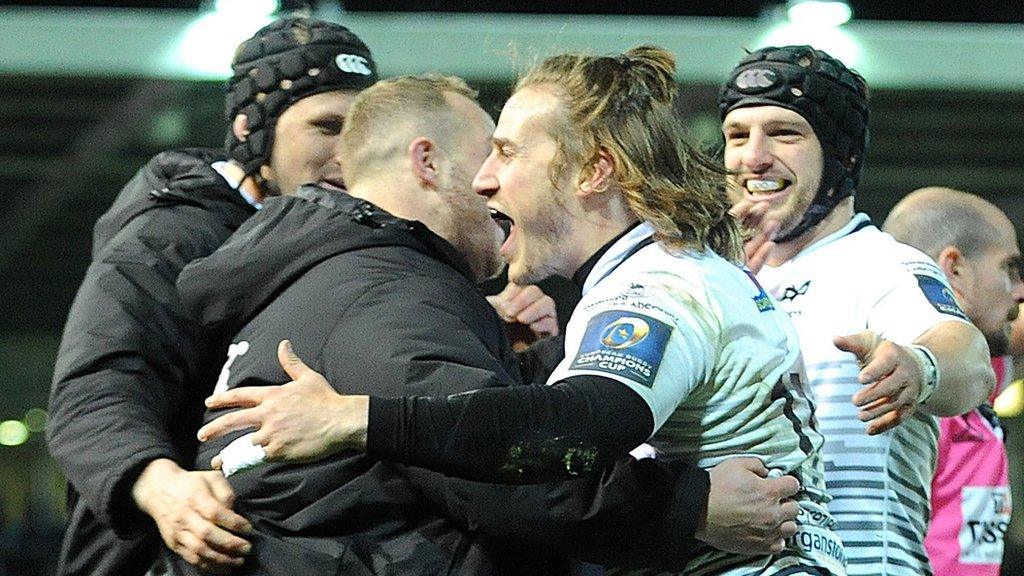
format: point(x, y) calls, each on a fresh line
point(931, 219)
point(975, 245)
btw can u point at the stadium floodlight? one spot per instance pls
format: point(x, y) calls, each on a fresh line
point(206, 47)
point(13, 433)
point(816, 23)
point(826, 13)
point(261, 7)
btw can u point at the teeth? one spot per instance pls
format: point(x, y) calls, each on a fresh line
point(502, 220)
point(766, 185)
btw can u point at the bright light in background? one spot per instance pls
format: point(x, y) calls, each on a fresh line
point(35, 420)
point(13, 433)
point(235, 7)
point(1010, 402)
point(835, 41)
point(816, 24)
point(819, 13)
point(206, 47)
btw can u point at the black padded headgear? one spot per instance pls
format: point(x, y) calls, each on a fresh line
point(831, 97)
point(283, 62)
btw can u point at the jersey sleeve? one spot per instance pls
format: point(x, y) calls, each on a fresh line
point(659, 342)
point(918, 298)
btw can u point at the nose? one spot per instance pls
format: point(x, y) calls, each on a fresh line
point(1017, 291)
point(757, 156)
point(336, 152)
point(485, 183)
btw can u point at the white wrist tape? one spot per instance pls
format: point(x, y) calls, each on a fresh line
point(929, 371)
point(241, 454)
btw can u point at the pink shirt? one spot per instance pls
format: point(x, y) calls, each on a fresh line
point(970, 492)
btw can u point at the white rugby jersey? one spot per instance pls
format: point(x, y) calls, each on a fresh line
point(862, 279)
point(699, 340)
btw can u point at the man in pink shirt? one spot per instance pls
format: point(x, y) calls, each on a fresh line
point(976, 246)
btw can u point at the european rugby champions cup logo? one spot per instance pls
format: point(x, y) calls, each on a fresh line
point(627, 344)
point(625, 333)
point(940, 296)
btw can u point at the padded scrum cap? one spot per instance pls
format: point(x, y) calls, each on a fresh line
point(283, 62)
point(831, 97)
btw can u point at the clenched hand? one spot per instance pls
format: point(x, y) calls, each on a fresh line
point(193, 513)
point(748, 512)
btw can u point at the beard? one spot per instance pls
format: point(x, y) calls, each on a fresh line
point(999, 342)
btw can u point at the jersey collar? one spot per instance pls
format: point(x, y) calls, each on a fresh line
point(613, 254)
point(859, 221)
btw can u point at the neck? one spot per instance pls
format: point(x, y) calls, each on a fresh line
point(392, 194)
point(604, 217)
point(785, 251)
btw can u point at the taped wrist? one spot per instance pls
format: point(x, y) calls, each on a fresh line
point(929, 371)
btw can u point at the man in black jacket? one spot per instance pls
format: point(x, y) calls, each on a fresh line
point(376, 289)
point(133, 367)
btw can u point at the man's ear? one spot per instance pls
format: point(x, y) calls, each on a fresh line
point(240, 127)
point(598, 175)
point(423, 157)
point(953, 264)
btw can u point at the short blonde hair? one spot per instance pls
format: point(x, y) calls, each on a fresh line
point(402, 105)
point(625, 105)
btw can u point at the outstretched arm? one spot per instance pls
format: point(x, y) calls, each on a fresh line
point(897, 379)
point(515, 434)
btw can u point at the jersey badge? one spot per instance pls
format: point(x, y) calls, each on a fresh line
point(625, 344)
point(940, 296)
point(762, 301)
point(791, 292)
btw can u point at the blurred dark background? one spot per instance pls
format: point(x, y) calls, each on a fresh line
point(71, 136)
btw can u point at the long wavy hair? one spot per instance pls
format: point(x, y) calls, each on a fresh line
point(625, 105)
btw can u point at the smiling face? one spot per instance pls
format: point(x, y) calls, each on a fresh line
point(516, 178)
point(775, 158)
point(305, 142)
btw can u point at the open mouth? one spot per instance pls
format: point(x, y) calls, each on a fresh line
point(333, 184)
point(765, 186)
point(503, 220)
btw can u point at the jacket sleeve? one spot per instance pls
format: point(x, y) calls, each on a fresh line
point(129, 363)
point(635, 513)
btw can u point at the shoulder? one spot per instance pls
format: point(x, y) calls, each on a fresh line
point(872, 256)
point(701, 276)
point(896, 258)
point(677, 289)
point(415, 281)
point(175, 189)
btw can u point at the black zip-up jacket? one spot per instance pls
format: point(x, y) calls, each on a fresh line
point(133, 368)
point(383, 306)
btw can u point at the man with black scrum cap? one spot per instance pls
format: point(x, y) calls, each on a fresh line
point(882, 336)
point(133, 368)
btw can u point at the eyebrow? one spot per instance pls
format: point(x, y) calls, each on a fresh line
point(502, 142)
point(768, 125)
